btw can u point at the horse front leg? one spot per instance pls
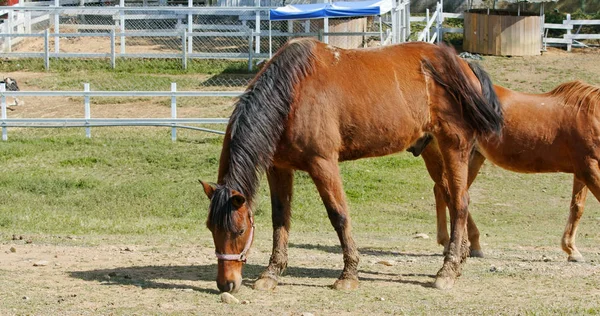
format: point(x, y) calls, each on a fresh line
point(457, 198)
point(281, 187)
point(576, 211)
point(326, 176)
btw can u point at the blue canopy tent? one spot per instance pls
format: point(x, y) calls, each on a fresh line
point(329, 10)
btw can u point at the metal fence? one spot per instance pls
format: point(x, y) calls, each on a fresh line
point(70, 39)
point(87, 121)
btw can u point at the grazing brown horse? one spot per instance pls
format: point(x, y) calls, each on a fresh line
point(557, 131)
point(312, 106)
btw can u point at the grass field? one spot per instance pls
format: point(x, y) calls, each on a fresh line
point(119, 220)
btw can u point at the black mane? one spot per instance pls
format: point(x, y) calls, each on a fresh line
point(256, 125)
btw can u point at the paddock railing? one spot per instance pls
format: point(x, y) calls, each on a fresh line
point(569, 39)
point(87, 122)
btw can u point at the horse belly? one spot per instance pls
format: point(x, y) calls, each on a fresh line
point(539, 159)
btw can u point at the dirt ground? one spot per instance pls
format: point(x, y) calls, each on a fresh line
point(156, 275)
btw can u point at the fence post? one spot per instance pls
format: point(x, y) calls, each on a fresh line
point(257, 27)
point(28, 22)
point(56, 27)
point(113, 50)
point(426, 22)
point(174, 111)
point(190, 27)
point(184, 49)
point(3, 101)
point(439, 21)
point(568, 35)
point(10, 26)
point(395, 28)
point(86, 109)
point(122, 26)
point(250, 54)
point(47, 49)
point(407, 18)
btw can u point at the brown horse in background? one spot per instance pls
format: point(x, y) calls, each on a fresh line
point(557, 131)
point(312, 106)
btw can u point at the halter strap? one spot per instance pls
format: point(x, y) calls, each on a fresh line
point(242, 256)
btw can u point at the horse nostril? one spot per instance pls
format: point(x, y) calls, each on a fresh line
point(227, 287)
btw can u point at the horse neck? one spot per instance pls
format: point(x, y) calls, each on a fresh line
point(225, 177)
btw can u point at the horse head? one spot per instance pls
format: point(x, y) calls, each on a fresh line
point(231, 223)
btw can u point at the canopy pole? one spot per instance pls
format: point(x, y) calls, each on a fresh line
point(326, 30)
point(380, 31)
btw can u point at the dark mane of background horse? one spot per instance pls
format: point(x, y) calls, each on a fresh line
point(256, 125)
point(578, 94)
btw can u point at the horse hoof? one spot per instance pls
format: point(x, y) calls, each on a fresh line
point(444, 283)
point(345, 284)
point(576, 258)
point(265, 284)
point(476, 253)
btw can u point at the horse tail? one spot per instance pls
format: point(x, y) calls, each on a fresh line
point(479, 104)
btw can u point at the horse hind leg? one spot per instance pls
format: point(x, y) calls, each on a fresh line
point(326, 176)
point(281, 187)
point(576, 211)
point(434, 163)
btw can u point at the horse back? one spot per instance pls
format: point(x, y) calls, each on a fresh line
point(357, 103)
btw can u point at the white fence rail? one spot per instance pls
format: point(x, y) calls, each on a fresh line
point(88, 122)
point(569, 39)
point(434, 24)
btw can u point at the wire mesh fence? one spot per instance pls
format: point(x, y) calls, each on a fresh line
point(145, 45)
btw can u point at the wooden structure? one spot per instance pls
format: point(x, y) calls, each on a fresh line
point(500, 32)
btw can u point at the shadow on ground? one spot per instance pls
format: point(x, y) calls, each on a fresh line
point(148, 276)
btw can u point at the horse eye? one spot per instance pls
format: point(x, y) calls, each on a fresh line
point(241, 232)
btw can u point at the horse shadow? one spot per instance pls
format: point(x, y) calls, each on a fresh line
point(363, 250)
point(147, 277)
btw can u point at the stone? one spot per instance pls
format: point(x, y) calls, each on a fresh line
point(421, 236)
point(229, 299)
point(41, 263)
point(388, 263)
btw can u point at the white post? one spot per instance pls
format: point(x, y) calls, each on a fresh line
point(427, 22)
point(174, 111)
point(568, 35)
point(257, 28)
point(86, 109)
point(190, 27)
point(381, 31)
point(47, 49)
point(326, 30)
point(307, 26)
point(113, 49)
point(122, 22)
point(3, 101)
point(395, 25)
point(407, 18)
point(270, 39)
point(439, 21)
point(10, 26)
point(28, 22)
point(56, 27)
point(183, 49)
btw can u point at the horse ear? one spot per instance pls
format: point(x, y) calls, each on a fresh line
point(237, 199)
point(209, 188)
